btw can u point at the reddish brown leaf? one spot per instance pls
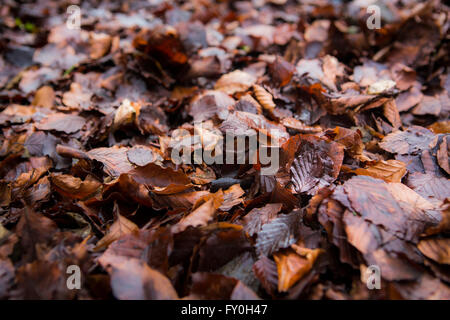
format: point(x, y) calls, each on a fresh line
point(121, 227)
point(68, 123)
point(132, 279)
point(316, 164)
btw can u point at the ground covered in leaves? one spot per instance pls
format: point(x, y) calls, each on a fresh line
point(89, 118)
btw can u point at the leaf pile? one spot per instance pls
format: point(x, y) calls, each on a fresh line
point(90, 117)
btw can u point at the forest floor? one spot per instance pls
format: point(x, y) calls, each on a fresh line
point(122, 175)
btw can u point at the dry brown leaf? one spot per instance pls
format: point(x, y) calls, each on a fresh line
point(440, 127)
point(77, 97)
point(292, 265)
point(231, 197)
point(436, 249)
point(133, 279)
point(74, 187)
point(143, 155)
point(100, 43)
point(5, 193)
point(248, 104)
point(391, 113)
point(281, 71)
point(442, 154)
point(114, 159)
point(235, 81)
point(68, 123)
point(299, 126)
point(316, 164)
point(389, 170)
point(411, 140)
point(122, 226)
point(264, 98)
point(257, 217)
point(444, 224)
point(44, 97)
point(202, 176)
point(27, 179)
point(199, 217)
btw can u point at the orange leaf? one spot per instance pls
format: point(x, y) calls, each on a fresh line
point(292, 265)
point(389, 171)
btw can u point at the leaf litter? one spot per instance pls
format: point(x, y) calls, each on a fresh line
point(90, 117)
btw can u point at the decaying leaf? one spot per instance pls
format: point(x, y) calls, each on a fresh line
point(266, 271)
point(77, 97)
point(299, 126)
point(232, 197)
point(141, 155)
point(114, 159)
point(121, 227)
point(34, 228)
point(242, 150)
point(257, 217)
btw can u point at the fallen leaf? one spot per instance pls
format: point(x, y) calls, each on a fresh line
point(199, 217)
point(44, 97)
point(264, 98)
point(436, 249)
point(68, 123)
point(316, 164)
point(121, 227)
point(279, 233)
point(410, 141)
point(389, 170)
point(236, 81)
point(132, 279)
point(293, 265)
point(75, 188)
